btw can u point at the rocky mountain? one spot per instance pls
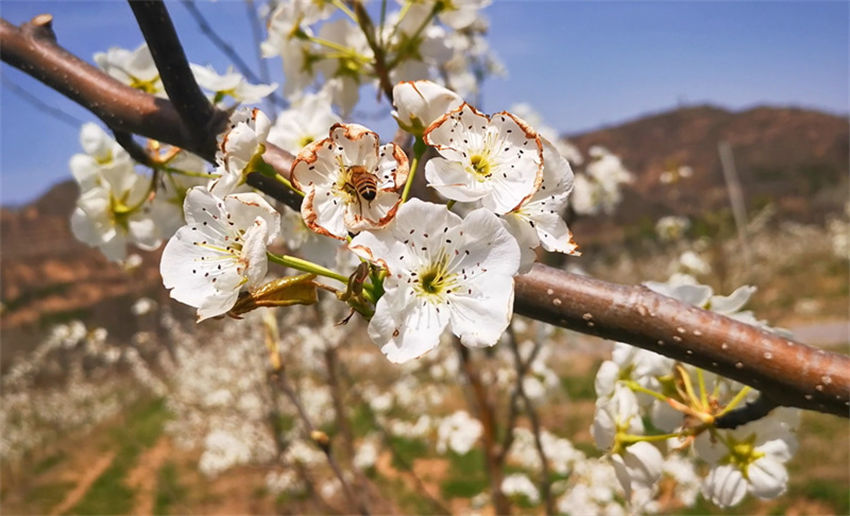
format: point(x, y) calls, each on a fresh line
point(795, 160)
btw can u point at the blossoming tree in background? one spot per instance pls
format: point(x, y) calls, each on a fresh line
point(429, 238)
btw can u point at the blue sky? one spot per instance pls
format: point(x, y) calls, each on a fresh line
point(581, 64)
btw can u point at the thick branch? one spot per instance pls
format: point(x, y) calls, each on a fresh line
point(177, 78)
point(788, 372)
point(32, 48)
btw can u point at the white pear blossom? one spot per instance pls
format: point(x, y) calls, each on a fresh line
point(518, 484)
point(538, 221)
point(458, 433)
point(244, 139)
point(496, 160)
point(460, 14)
point(339, 174)
point(308, 119)
point(443, 271)
point(344, 66)
point(598, 189)
point(671, 227)
point(113, 208)
point(326, 251)
point(750, 458)
point(167, 209)
point(220, 250)
point(231, 84)
point(419, 103)
point(135, 68)
point(102, 154)
point(638, 466)
point(693, 263)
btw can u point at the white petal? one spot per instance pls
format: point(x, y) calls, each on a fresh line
point(725, 486)
point(767, 477)
point(453, 181)
point(254, 252)
point(606, 377)
point(404, 327)
point(480, 321)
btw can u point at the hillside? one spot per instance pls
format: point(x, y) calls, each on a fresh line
point(794, 159)
point(791, 158)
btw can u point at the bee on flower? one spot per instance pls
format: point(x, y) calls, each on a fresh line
point(349, 181)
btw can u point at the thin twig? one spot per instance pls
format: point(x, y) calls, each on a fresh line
point(368, 28)
point(752, 411)
point(279, 378)
point(226, 49)
point(386, 438)
point(136, 151)
point(545, 480)
point(484, 411)
point(42, 106)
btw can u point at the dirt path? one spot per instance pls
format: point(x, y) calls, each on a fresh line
point(142, 478)
point(83, 484)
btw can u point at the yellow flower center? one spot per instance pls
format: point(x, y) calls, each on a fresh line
point(434, 280)
point(480, 166)
point(743, 453)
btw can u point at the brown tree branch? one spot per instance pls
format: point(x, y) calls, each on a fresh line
point(545, 480)
point(174, 72)
point(484, 412)
point(787, 372)
point(281, 382)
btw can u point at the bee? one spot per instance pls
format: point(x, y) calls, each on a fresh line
point(362, 182)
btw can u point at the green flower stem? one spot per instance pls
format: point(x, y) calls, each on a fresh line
point(703, 394)
point(633, 385)
point(345, 51)
point(305, 266)
point(418, 150)
point(450, 204)
point(344, 8)
point(403, 52)
point(631, 439)
point(735, 401)
point(689, 388)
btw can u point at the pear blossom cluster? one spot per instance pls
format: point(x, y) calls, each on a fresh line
point(136, 68)
point(329, 44)
point(424, 271)
point(638, 385)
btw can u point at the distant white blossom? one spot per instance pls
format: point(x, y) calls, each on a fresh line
point(231, 84)
point(458, 433)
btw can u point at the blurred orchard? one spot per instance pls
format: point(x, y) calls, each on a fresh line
point(353, 346)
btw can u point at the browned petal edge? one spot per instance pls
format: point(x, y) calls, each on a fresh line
point(307, 155)
point(412, 85)
point(354, 132)
point(572, 244)
point(402, 169)
point(234, 121)
point(377, 261)
point(308, 213)
point(360, 223)
point(436, 123)
point(529, 133)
